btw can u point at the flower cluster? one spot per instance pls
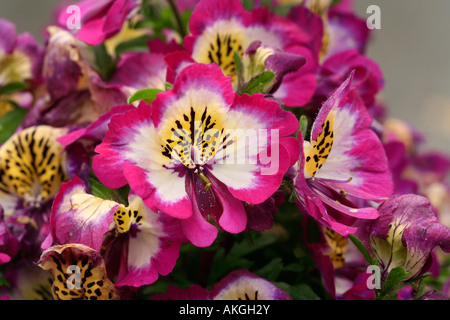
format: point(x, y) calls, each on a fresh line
point(211, 149)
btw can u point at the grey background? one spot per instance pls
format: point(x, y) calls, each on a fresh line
point(412, 48)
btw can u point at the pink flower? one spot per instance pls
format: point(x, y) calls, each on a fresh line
point(343, 163)
point(138, 244)
point(101, 19)
point(143, 245)
point(219, 28)
point(188, 155)
point(367, 80)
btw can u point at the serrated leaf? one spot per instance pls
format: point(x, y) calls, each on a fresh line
point(272, 270)
point(394, 282)
point(257, 84)
point(10, 122)
point(145, 94)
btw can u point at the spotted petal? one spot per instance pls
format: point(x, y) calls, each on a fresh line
point(257, 128)
point(153, 243)
point(345, 151)
point(78, 273)
point(31, 167)
point(220, 28)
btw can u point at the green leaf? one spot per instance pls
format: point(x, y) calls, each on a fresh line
point(272, 270)
point(145, 94)
point(13, 87)
point(99, 190)
point(236, 257)
point(420, 289)
point(10, 122)
point(168, 86)
point(238, 63)
point(257, 84)
point(248, 4)
point(138, 44)
point(303, 124)
point(104, 63)
point(335, 2)
point(361, 248)
point(302, 292)
point(394, 282)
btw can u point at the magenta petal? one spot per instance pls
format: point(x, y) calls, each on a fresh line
point(8, 35)
point(140, 184)
point(4, 258)
point(234, 217)
point(96, 130)
point(208, 12)
point(198, 231)
point(92, 32)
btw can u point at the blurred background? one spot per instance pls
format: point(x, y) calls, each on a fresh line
point(412, 48)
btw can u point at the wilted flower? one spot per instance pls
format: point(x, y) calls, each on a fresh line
point(20, 64)
point(79, 217)
point(406, 233)
point(138, 244)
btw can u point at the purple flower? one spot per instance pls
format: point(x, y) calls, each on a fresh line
point(368, 78)
point(406, 233)
point(9, 244)
point(20, 55)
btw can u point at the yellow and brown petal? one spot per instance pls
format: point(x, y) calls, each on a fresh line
point(78, 272)
point(32, 166)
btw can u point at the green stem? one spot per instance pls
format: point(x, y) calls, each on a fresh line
point(180, 24)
